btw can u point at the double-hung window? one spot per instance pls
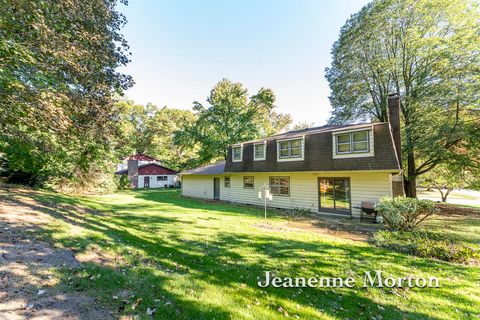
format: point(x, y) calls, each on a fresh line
point(360, 141)
point(248, 182)
point(353, 142)
point(259, 151)
point(227, 182)
point(280, 186)
point(237, 153)
point(290, 149)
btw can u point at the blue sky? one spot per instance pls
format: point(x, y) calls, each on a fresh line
point(182, 48)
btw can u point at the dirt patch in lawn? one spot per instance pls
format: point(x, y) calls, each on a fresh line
point(334, 227)
point(29, 287)
point(449, 210)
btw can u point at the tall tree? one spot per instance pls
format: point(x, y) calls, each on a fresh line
point(58, 62)
point(131, 122)
point(445, 179)
point(427, 51)
point(232, 116)
point(151, 130)
point(302, 125)
point(273, 123)
point(161, 129)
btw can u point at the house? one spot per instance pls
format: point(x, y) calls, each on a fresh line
point(146, 172)
point(331, 169)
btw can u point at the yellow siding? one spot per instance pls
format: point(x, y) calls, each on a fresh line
point(224, 192)
point(197, 186)
point(365, 186)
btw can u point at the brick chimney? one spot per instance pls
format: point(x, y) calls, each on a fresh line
point(132, 172)
point(394, 119)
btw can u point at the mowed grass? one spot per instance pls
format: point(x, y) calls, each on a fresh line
point(191, 259)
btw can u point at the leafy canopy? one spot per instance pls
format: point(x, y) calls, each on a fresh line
point(447, 178)
point(427, 51)
point(58, 77)
point(231, 117)
point(151, 130)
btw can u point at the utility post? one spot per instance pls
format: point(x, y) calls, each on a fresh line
point(265, 194)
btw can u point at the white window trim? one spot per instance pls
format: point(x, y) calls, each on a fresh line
point(264, 151)
point(302, 148)
point(351, 142)
point(352, 154)
point(241, 153)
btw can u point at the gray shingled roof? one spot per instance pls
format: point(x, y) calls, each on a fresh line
point(216, 168)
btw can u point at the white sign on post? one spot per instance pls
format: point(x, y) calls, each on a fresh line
point(265, 194)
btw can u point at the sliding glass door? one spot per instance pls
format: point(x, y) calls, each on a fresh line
point(334, 195)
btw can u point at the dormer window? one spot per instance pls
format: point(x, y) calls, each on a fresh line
point(259, 151)
point(290, 150)
point(237, 153)
point(360, 141)
point(353, 142)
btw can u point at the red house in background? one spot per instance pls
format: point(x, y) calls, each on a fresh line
point(146, 172)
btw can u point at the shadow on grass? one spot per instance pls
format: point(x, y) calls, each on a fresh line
point(173, 197)
point(454, 228)
point(153, 262)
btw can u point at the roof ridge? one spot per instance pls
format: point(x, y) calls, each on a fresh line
point(155, 164)
point(312, 130)
point(205, 168)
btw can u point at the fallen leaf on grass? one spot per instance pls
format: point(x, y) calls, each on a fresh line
point(136, 303)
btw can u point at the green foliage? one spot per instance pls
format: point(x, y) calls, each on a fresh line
point(58, 76)
point(231, 117)
point(404, 214)
point(122, 182)
point(426, 244)
point(151, 130)
point(447, 178)
point(427, 51)
point(302, 125)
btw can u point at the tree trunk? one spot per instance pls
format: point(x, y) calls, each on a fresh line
point(410, 181)
point(441, 195)
point(444, 196)
point(410, 186)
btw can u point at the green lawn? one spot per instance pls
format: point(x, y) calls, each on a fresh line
point(192, 259)
point(473, 206)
